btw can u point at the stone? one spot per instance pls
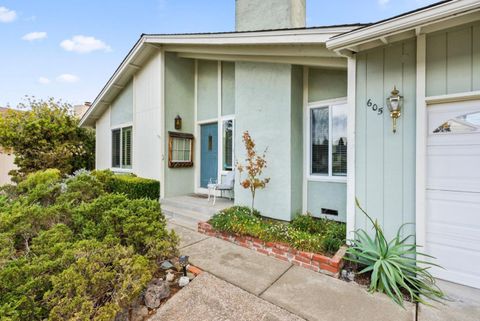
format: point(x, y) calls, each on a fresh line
point(170, 276)
point(190, 276)
point(157, 290)
point(184, 280)
point(139, 313)
point(166, 265)
point(122, 316)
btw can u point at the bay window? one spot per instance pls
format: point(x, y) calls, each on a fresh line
point(328, 140)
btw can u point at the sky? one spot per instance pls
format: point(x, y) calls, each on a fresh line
point(68, 49)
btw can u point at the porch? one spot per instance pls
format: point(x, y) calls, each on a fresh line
point(188, 210)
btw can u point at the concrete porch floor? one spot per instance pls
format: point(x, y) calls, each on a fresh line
point(188, 210)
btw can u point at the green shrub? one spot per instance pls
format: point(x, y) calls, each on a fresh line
point(132, 186)
point(304, 233)
point(70, 250)
point(394, 266)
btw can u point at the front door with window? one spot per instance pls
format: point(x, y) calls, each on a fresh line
point(209, 153)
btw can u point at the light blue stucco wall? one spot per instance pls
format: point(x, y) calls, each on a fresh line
point(385, 162)
point(453, 60)
point(121, 111)
point(326, 84)
point(263, 103)
point(207, 107)
point(228, 88)
point(179, 100)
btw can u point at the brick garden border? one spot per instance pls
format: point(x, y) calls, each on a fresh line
point(313, 261)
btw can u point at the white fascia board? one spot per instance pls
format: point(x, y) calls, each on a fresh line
point(293, 36)
point(403, 23)
point(112, 82)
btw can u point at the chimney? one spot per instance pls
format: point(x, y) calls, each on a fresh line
point(253, 15)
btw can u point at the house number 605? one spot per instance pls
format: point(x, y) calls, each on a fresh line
point(374, 107)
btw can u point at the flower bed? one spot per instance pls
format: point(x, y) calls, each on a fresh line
point(313, 261)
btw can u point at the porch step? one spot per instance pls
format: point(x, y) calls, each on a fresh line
point(188, 210)
point(198, 206)
point(184, 217)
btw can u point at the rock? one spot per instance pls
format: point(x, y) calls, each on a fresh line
point(184, 280)
point(157, 290)
point(122, 316)
point(166, 265)
point(190, 275)
point(139, 313)
point(170, 276)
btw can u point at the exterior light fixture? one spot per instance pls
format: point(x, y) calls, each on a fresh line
point(183, 260)
point(394, 103)
point(178, 122)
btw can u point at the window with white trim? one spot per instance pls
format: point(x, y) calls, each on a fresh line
point(328, 140)
point(122, 147)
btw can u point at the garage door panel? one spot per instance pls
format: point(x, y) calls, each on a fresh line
point(458, 264)
point(459, 236)
point(453, 191)
point(453, 168)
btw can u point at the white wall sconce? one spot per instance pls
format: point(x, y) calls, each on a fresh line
point(394, 103)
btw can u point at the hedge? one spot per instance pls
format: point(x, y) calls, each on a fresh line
point(132, 186)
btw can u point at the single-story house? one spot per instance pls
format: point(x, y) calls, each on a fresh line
point(6, 160)
point(388, 113)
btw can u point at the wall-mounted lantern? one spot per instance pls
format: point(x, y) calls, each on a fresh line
point(178, 122)
point(394, 103)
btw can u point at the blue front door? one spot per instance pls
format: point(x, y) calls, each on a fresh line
point(209, 153)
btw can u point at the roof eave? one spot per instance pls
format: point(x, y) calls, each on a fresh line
point(278, 37)
point(403, 23)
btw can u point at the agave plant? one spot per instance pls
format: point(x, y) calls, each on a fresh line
point(395, 266)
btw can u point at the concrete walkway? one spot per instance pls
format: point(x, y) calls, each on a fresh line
point(306, 294)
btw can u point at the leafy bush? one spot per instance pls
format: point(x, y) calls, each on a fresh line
point(132, 186)
point(304, 233)
point(69, 250)
point(45, 134)
point(394, 265)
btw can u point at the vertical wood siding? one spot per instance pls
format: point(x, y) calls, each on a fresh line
point(453, 60)
point(385, 167)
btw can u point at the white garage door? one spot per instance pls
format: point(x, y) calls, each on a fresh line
point(453, 191)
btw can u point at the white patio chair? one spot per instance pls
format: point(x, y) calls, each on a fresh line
point(227, 185)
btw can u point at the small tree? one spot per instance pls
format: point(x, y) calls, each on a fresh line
point(45, 134)
point(254, 166)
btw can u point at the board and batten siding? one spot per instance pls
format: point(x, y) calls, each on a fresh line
point(325, 84)
point(103, 142)
point(147, 129)
point(453, 60)
point(385, 162)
